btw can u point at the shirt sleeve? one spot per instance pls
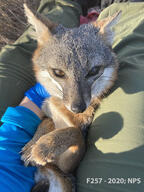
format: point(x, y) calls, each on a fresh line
point(19, 125)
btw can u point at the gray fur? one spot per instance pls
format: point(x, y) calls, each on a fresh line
point(75, 51)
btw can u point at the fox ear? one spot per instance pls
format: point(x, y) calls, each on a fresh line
point(105, 27)
point(42, 33)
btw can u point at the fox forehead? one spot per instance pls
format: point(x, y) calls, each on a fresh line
point(75, 48)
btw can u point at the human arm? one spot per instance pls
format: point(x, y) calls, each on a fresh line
point(19, 125)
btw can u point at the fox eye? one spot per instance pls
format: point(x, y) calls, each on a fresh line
point(94, 71)
point(58, 73)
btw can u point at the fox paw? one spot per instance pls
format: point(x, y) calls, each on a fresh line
point(85, 119)
point(30, 155)
point(41, 155)
point(26, 153)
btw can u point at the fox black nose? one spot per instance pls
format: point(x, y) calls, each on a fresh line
point(78, 108)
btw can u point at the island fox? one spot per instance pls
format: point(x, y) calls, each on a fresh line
point(77, 67)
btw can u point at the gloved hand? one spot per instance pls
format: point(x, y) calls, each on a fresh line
point(37, 94)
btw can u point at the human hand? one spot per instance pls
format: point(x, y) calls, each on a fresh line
point(37, 94)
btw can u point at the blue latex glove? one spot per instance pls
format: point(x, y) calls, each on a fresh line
point(37, 94)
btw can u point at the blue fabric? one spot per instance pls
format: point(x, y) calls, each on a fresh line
point(37, 94)
point(19, 125)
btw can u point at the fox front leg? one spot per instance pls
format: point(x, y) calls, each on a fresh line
point(85, 119)
point(80, 120)
point(45, 127)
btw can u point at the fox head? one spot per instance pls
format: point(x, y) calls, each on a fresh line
point(74, 64)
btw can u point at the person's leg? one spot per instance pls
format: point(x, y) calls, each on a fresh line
point(16, 74)
point(106, 3)
point(114, 161)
